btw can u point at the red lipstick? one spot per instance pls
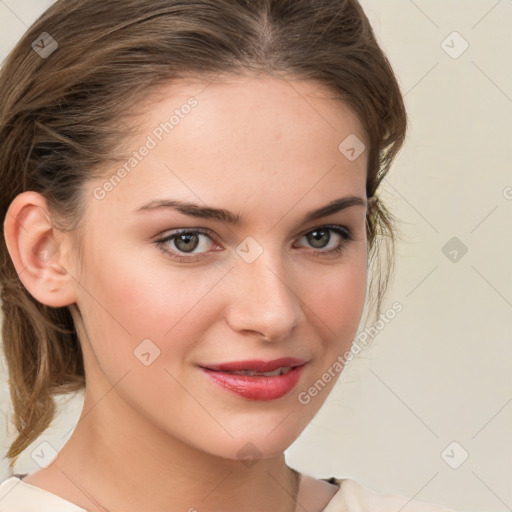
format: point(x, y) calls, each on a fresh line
point(257, 365)
point(250, 381)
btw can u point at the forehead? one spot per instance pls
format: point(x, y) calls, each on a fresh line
point(242, 139)
point(252, 104)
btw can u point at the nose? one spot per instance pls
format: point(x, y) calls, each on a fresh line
point(264, 300)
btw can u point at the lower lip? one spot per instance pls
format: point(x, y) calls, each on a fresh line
point(257, 387)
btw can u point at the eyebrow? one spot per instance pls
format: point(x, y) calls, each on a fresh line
point(206, 212)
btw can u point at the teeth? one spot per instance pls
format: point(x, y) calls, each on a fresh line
point(278, 371)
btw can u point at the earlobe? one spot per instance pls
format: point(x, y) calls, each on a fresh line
point(35, 247)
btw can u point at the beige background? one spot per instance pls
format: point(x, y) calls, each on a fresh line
point(439, 372)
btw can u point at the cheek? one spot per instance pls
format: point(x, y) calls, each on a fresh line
point(337, 299)
point(136, 298)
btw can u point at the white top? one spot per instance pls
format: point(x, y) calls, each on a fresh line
point(19, 496)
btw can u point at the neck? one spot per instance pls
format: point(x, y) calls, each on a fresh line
point(116, 461)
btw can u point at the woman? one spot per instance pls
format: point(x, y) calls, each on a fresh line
point(190, 200)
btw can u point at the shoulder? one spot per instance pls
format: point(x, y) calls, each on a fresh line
point(355, 497)
point(6, 487)
point(12, 497)
point(19, 496)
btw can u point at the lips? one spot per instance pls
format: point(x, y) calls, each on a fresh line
point(258, 386)
point(258, 366)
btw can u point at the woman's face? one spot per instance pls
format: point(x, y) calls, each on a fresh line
point(271, 285)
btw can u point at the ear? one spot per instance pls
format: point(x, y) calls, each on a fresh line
point(37, 250)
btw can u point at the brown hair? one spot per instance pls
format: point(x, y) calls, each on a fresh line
point(62, 117)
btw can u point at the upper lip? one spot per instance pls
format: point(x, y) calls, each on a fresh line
point(257, 365)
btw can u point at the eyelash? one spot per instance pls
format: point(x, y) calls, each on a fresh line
point(343, 231)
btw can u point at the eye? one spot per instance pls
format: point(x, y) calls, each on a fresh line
point(319, 238)
point(186, 241)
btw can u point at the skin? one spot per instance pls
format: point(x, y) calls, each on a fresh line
point(261, 147)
